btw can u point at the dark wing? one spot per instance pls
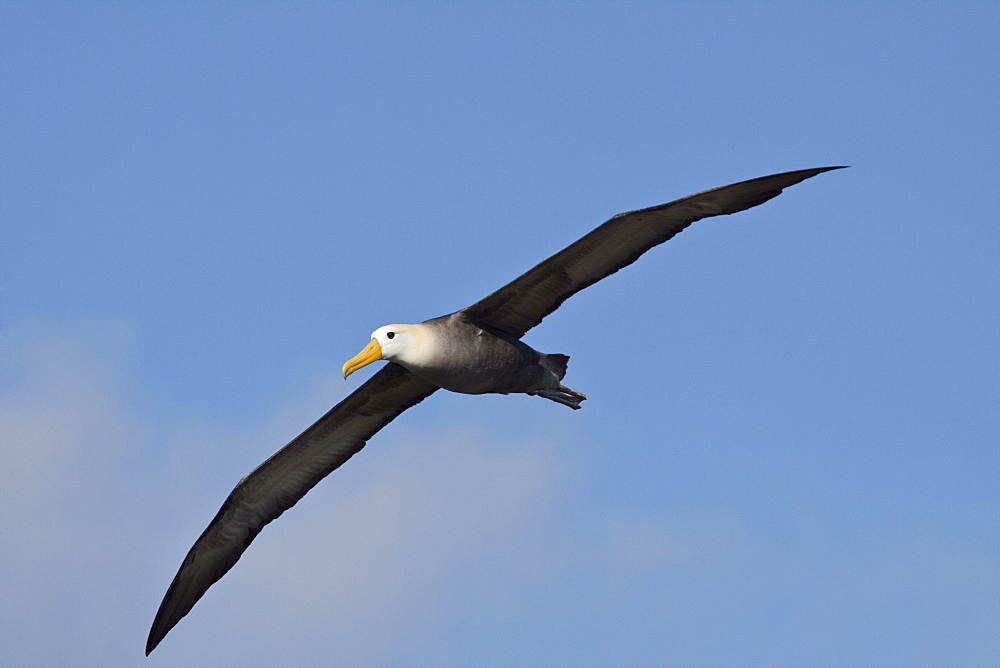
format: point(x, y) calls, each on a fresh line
point(275, 486)
point(522, 303)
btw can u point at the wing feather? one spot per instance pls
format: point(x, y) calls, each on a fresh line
point(278, 483)
point(522, 303)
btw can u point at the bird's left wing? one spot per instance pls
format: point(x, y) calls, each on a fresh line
point(278, 483)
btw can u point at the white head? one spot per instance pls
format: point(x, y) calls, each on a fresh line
point(396, 343)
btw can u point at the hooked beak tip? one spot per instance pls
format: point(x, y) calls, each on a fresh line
point(371, 353)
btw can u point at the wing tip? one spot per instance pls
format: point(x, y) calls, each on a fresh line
point(809, 173)
point(820, 170)
point(161, 627)
point(173, 608)
point(152, 642)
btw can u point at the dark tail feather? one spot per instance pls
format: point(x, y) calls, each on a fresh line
point(556, 364)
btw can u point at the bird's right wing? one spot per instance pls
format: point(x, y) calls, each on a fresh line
point(278, 483)
point(521, 304)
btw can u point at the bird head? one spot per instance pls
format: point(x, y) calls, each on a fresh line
point(389, 342)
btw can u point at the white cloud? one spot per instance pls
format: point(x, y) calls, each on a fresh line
point(93, 500)
point(430, 547)
point(64, 436)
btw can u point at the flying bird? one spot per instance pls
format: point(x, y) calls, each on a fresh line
point(475, 350)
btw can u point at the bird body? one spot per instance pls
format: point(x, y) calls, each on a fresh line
point(458, 354)
point(475, 350)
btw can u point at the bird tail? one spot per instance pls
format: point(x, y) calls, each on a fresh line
point(556, 364)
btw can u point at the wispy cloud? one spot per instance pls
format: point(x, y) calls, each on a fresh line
point(68, 522)
point(436, 546)
point(92, 515)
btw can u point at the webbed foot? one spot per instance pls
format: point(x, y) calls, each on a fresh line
point(562, 395)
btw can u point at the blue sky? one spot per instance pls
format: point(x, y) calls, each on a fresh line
point(789, 455)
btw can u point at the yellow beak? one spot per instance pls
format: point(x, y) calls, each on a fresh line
point(371, 353)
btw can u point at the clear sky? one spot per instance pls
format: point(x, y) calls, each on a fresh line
point(789, 455)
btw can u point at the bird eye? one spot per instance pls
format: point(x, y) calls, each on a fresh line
point(389, 335)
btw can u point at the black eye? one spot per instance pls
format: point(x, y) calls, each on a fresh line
point(389, 335)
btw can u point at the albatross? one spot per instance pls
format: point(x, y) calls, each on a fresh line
point(476, 350)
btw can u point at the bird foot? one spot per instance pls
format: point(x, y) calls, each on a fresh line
point(562, 395)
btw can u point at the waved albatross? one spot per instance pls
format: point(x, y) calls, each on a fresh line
point(474, 351)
